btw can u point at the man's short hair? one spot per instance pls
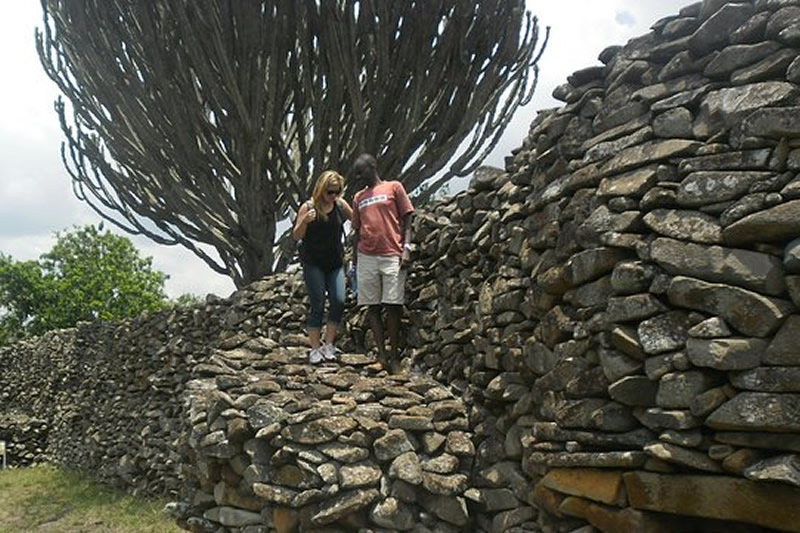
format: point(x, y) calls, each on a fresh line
point(365, 168)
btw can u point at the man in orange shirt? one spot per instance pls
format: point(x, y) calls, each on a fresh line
point(382, 220)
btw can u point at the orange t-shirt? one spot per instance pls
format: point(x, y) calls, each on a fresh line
point(378, 214)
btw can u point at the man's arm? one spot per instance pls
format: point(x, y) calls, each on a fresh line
point(355, 224)
point(405, 209)
point(407, 236)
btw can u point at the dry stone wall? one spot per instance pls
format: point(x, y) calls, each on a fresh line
point(280, 445)
point(107, 398)
point(600, 337)
point(621, 305)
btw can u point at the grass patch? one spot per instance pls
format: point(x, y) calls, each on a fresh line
point(54, 500)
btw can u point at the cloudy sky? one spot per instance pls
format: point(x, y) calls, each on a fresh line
point(36, 198)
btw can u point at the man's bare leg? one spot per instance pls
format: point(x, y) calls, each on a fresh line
point(376, 325)
point(393, 315)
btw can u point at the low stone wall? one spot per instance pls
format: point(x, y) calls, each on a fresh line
point(280, 445)
point(106, 398)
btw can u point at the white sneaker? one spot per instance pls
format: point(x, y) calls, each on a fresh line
point(315, 356)
point(329, 352)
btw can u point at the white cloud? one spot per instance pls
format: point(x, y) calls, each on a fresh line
point(36, 199)
point(579, 31)
point(624, 18)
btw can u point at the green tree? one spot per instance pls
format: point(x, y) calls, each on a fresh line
point(204, 123)
point(23, 291)
point(187, 299)
point(88, 275)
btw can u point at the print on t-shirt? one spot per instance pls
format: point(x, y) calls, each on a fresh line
point(372, 200)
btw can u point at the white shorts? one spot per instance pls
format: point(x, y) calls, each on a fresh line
point(380, 280)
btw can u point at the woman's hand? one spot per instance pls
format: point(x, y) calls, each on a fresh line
point(304, 217)
point(311, 216)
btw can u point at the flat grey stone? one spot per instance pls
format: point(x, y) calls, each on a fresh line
point(232, 517)
point(343, 452)
point(758, 411)
point(711, 328)
point(321, 430)
point(633, 307)
point(395, 442)
point(451, 509)
point(726, 353)
point(444, 484)
point(685, 225)
point(725, 108)
point(772, 66)
point(784, 17)
point(630, 277)
point(392, 514)
point(604, 150)
point(676, 122)
point(616, 364)
point(768, 379)
point(706, 402)
point(737, 56)
point(730, 160)
point(784, 348)
point(634, 391)
point(359, 475)
point(412, 423)
point(407, 467)
point(459, 443)
point(791, 257)
point(677, 390)
point(498, 499)
point(781, 222)
point(334, 509)
point(631, 184)
point(664, 333)
point(750, 313)
point(658, 419)
point(682, 456)
point(505, 521)
point(274, 494)
point(714, 186)
point(628, 459)
point(649, 152)
point(441, 464)
point(784, 468)
point(264, 413)
point(774, 122)
point(656, 366)
point(768, 441)
point(744, 268)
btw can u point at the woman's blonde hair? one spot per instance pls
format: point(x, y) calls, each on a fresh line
point(326, 180)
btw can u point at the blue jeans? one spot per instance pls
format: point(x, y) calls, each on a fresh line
point(318, 282)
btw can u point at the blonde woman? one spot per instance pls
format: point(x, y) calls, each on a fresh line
point(319, 226)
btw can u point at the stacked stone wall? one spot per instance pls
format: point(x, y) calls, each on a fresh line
point(104, 397)
point(618, 305)
point(277, 444)
point(107, 398)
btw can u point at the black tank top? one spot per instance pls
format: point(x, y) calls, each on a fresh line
point(322, 245)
